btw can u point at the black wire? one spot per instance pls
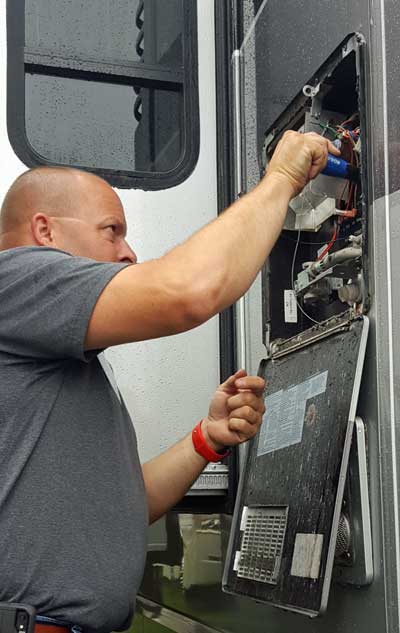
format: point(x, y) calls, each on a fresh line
point(292, 276)
point(291, 239)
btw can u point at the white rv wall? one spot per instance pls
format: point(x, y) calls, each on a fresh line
point(166, 383)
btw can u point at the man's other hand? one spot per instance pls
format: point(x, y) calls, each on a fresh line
point(298, 158)
point(236, 411)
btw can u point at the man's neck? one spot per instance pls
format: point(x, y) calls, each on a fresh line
point(11, 239)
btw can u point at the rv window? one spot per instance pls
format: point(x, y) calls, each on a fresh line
point(111, 88)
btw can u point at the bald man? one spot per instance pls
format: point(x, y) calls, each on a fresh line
point(74, 501)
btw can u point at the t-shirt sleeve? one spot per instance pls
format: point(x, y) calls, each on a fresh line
point(47, 298)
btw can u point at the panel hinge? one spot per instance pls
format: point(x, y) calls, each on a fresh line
point(318, 332)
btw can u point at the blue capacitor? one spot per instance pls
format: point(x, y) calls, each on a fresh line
point(339, 168)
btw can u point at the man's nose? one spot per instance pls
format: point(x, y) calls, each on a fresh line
point(126, 254)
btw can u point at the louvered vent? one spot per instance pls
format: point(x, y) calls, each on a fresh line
point(262, 543)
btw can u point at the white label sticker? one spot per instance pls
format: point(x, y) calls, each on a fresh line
point(290, 303)
point(283, 420)
point(307, 555)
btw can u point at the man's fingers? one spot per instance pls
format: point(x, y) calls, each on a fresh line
point(246, 398)
point(300, 157)
point(247, 414)
point(254, 383)
point(333, 149)
point(320, 154)
point(240, 380)
point(230, 382)
point(324, 142)
point(318, 164)
point(244, 429)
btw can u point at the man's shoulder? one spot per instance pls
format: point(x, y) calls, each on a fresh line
point(24, 260)
point(28, 253)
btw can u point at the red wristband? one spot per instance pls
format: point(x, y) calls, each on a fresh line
point(202, 448)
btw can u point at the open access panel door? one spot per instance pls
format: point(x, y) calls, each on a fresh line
point(288, 506)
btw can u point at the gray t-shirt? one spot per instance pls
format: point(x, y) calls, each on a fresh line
point(73, 515)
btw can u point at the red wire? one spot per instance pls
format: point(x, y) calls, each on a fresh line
point(350, 196)
point(329, 246)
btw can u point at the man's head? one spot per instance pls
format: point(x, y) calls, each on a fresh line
point(67, 209)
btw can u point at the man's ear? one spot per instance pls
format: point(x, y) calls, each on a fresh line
point(42, 230)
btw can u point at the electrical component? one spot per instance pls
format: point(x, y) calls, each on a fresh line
point(351, 293)
point(339, 168)
point(339, 265)
point(326, 197)
point(319, 271)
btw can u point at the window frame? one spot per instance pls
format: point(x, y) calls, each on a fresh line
point(146, 75)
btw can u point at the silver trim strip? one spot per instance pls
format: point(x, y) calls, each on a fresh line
point(237, 105)
point(364, 498)
point(237, 111)
point(389, 321)
point(172, 620)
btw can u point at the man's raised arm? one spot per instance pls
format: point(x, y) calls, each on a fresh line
point(214, 267)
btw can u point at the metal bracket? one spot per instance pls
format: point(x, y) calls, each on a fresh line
point(357, 567)
point(316, 333)
point(311, 91)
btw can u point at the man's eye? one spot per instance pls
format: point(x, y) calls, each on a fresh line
point(113, 227)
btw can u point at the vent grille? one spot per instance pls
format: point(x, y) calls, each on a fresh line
point(262, 543)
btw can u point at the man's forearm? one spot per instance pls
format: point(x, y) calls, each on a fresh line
point(196, 279)
point(214, 267)
point(224, 257)
point(169, 476)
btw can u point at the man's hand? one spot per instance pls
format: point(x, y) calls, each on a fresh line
point(235, 416)
point(236, 411)
point(298, 158)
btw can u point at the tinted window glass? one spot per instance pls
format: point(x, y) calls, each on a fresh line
point(92, 124)
point(105, 85)
point(108, 31)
